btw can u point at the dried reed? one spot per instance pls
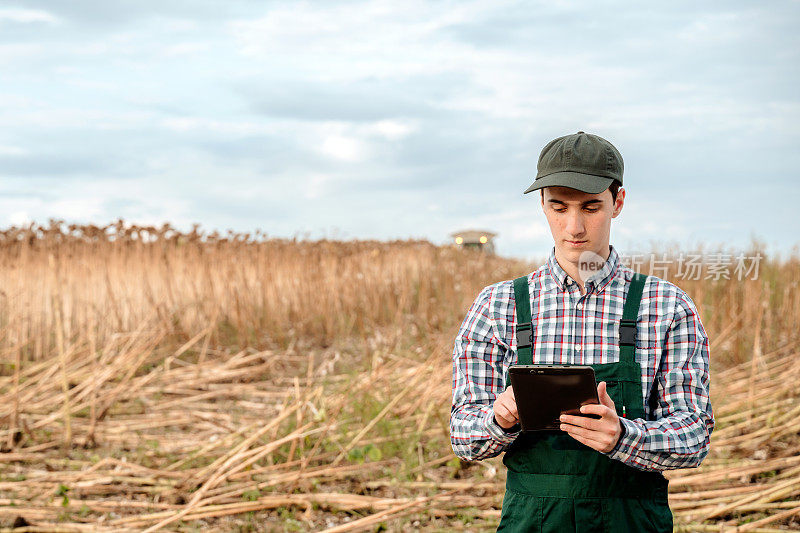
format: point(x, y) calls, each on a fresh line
point(151, 378)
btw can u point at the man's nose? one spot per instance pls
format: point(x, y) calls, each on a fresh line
point(575, 225)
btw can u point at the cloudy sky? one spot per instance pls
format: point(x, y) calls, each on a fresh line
point(404, 119)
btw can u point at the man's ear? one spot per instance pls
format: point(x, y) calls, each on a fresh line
point(618, 203)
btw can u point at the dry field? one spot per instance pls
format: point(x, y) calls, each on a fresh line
point(157, 380)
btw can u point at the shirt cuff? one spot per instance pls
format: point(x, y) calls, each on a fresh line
point(628, 442)
point(504, 436)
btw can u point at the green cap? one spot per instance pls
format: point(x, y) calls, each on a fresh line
point(580, 161)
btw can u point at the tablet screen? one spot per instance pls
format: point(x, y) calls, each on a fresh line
point(544, 392)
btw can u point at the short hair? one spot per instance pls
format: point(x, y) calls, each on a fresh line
point(614, 188)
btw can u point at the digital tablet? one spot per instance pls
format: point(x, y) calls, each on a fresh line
point(544, 392)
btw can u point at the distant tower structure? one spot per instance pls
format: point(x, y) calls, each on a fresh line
point(476, 239)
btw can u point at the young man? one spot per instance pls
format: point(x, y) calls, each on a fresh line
point(643, 337)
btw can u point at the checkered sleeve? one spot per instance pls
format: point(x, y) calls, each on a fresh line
point(679, 434)
point(478, 377)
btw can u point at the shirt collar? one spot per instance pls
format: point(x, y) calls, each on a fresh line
point(598, 279)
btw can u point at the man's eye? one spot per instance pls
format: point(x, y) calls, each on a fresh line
point(591, 210)
point(561, 210)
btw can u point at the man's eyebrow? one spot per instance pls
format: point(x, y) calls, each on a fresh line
point(584, 204)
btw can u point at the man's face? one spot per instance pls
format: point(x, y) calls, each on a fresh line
point(580, 221)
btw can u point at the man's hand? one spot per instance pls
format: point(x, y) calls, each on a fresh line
point(505, 409)
point(601, 435)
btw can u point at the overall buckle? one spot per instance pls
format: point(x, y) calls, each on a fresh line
point(627, 332)
point(524, 335)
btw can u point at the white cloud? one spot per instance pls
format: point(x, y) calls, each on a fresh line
point(393, 129)
point(69, 206)
point(25, 16)
point(12, 150)
point(183, 49)
point(217, 127)
point(20, 52)
point(528, 231)
point(317, 185)
point(713, 27)
point(345, 42)
point(343, 148)
point(18, 218)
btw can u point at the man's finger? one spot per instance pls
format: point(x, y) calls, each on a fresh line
point(509, 404)
point(581, 421)
point(502, 420)
point(506, 413)
point(582, 432)
point(602, 439)
point(603, 396)
point(597, 409)
point(591, 443)
point(501, 411)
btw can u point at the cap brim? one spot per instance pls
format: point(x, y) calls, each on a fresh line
point(574, 180)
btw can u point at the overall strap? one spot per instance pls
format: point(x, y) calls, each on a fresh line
point(524, 326)
point(627, 326)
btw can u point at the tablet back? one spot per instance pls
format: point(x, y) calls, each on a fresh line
point(544, 392)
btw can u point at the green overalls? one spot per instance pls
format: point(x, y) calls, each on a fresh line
point(557, 484)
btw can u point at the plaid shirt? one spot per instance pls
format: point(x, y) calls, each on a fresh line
point(571, 328)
